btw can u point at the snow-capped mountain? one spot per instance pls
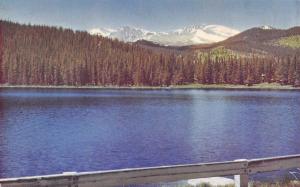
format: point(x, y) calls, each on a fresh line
point(180, 37)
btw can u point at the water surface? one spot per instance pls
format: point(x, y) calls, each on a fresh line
point(46, 131)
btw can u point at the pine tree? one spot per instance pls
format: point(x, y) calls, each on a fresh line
point(250, 76)
point(292, 71)
point(1, 54)
point(297, 74)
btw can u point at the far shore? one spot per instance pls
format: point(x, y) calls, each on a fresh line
point(262, 86)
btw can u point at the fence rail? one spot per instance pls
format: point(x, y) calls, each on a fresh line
point(239, 168)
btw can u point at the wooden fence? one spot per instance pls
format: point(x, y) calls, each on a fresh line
point(240, 169)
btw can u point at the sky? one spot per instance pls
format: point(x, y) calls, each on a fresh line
point(154, 15)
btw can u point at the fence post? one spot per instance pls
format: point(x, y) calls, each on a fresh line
point(243, 179)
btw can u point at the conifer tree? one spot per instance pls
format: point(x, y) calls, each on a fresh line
point(297, 74)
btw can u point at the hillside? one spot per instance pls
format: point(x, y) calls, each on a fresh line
point(260, 41)
point(41, 55)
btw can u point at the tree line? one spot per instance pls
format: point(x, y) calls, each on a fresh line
point(41, 55)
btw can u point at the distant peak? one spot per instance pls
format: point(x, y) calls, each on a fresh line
point(194, 34)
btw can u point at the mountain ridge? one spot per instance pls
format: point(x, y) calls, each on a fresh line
point(190, 35)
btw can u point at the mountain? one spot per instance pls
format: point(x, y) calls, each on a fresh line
point(181, 37)
point(259, 40)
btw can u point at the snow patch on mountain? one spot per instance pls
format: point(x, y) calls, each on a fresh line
point(184, 36)
point(266, 27)
point(103, 31)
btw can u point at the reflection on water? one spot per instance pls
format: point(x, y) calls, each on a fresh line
point(44, 131)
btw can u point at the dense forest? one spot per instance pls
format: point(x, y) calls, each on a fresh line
point(41, 55)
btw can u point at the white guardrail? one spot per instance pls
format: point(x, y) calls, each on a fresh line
point(241, 169)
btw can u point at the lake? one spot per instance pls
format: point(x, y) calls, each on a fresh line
point(47, 131)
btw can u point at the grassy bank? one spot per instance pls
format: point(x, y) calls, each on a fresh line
point(263, 86)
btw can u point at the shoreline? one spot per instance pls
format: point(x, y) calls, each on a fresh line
point(262, 86)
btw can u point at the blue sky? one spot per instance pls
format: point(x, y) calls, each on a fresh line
point(156, 15)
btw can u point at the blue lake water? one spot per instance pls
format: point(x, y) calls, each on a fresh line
point(46, 131)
